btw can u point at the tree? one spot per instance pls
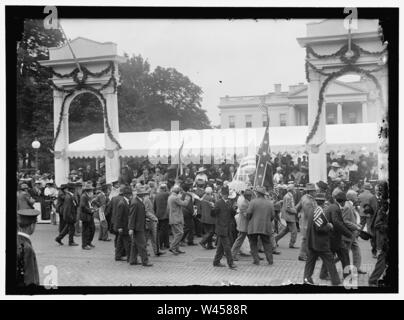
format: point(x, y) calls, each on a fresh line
point(149, 100)
point(34, 97)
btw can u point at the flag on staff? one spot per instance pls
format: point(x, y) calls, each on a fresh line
point(179, 168)
point(263, 173)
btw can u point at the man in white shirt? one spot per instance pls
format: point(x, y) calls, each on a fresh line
point(201, 175)
point(335, 172)
point(278, 176)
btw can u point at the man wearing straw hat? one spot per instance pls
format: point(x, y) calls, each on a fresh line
point(289, 214)
point(260, 213)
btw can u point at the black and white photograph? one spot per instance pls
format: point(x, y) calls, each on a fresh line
point(214, 150)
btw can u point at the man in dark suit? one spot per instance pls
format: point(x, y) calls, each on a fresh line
point(59, 206)
point(224, 213)
point(69, 212)
point(27, 268)
point(137, 228)
point(121, 224)
point(161, 210)
point(334, 215)
point(318, 242)
point(87, 218)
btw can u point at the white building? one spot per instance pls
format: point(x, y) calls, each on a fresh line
point(346, 103)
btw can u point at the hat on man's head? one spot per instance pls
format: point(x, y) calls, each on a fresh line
point(335, 165)
point(352, 195)
point(367, 186)
point(261, 190)
point(310, 187)
point(320, 196)
point(232, 194)
point(290, 187)
point(88, 186)
point(224, 191)
point(24, 186)
point(26, 217)
point(114, 182)
point(125, 190)
point(322, 185)
point(141, 191)
point(340, 196)
point(201, 169)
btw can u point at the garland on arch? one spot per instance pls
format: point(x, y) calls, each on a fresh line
point(82, 85)
point(349, 60)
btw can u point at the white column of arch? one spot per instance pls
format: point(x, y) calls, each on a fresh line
point(62, 143)
point(112, 164)
point(317, 161)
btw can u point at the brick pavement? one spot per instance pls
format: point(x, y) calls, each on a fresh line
point(77, 267)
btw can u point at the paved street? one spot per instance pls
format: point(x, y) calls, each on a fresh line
point(97, 267)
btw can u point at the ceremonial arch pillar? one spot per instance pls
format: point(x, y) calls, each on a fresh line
point(94, 69)
point(332, 51)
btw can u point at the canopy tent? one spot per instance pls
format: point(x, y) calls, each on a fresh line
point(224, 143)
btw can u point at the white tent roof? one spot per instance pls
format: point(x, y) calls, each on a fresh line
point(224, 142)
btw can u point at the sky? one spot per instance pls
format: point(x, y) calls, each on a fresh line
point(223, 57)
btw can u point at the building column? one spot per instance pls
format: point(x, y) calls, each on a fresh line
point(364, 112)
point(317, 156)
point(62, 143)
point(292, 115)
point(112, 161)
point(339, 113)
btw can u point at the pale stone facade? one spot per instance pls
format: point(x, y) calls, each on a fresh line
point(345, 103)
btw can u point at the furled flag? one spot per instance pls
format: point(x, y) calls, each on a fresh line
point(319, 217)
point(263, 173)
point(179, 168)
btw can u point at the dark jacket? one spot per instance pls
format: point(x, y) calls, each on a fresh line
point(260, 212)
point(69, 208)
point(160, 205)
point(112, 208)
point(24, 200)
point(86, 214)
point(122, 215)
point(137, 215)
point(224, 214)
point(27, 267)
point(318, 237)
point(334, 215)
point(205, 209)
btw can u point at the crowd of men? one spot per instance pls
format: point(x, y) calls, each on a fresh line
point(152, 206)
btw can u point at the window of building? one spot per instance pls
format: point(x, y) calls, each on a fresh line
point(248, 121)
point(282, 119)
point(264, 120)
point(352, 117)
point(232, 121)
point(331, 118)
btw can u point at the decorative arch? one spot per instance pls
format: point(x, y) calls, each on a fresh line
point(350, 67)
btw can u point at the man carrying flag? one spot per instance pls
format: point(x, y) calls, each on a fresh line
point(263, 174)
point(318, 243)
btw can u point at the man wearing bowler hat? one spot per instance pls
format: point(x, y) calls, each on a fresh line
point(86, 217)
point(68, 212)
point(318, 242)
point(121, 223)
point(27, 268)
point(334, 215)
point(307, 205)
point(224, 213)
point(137, 228)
